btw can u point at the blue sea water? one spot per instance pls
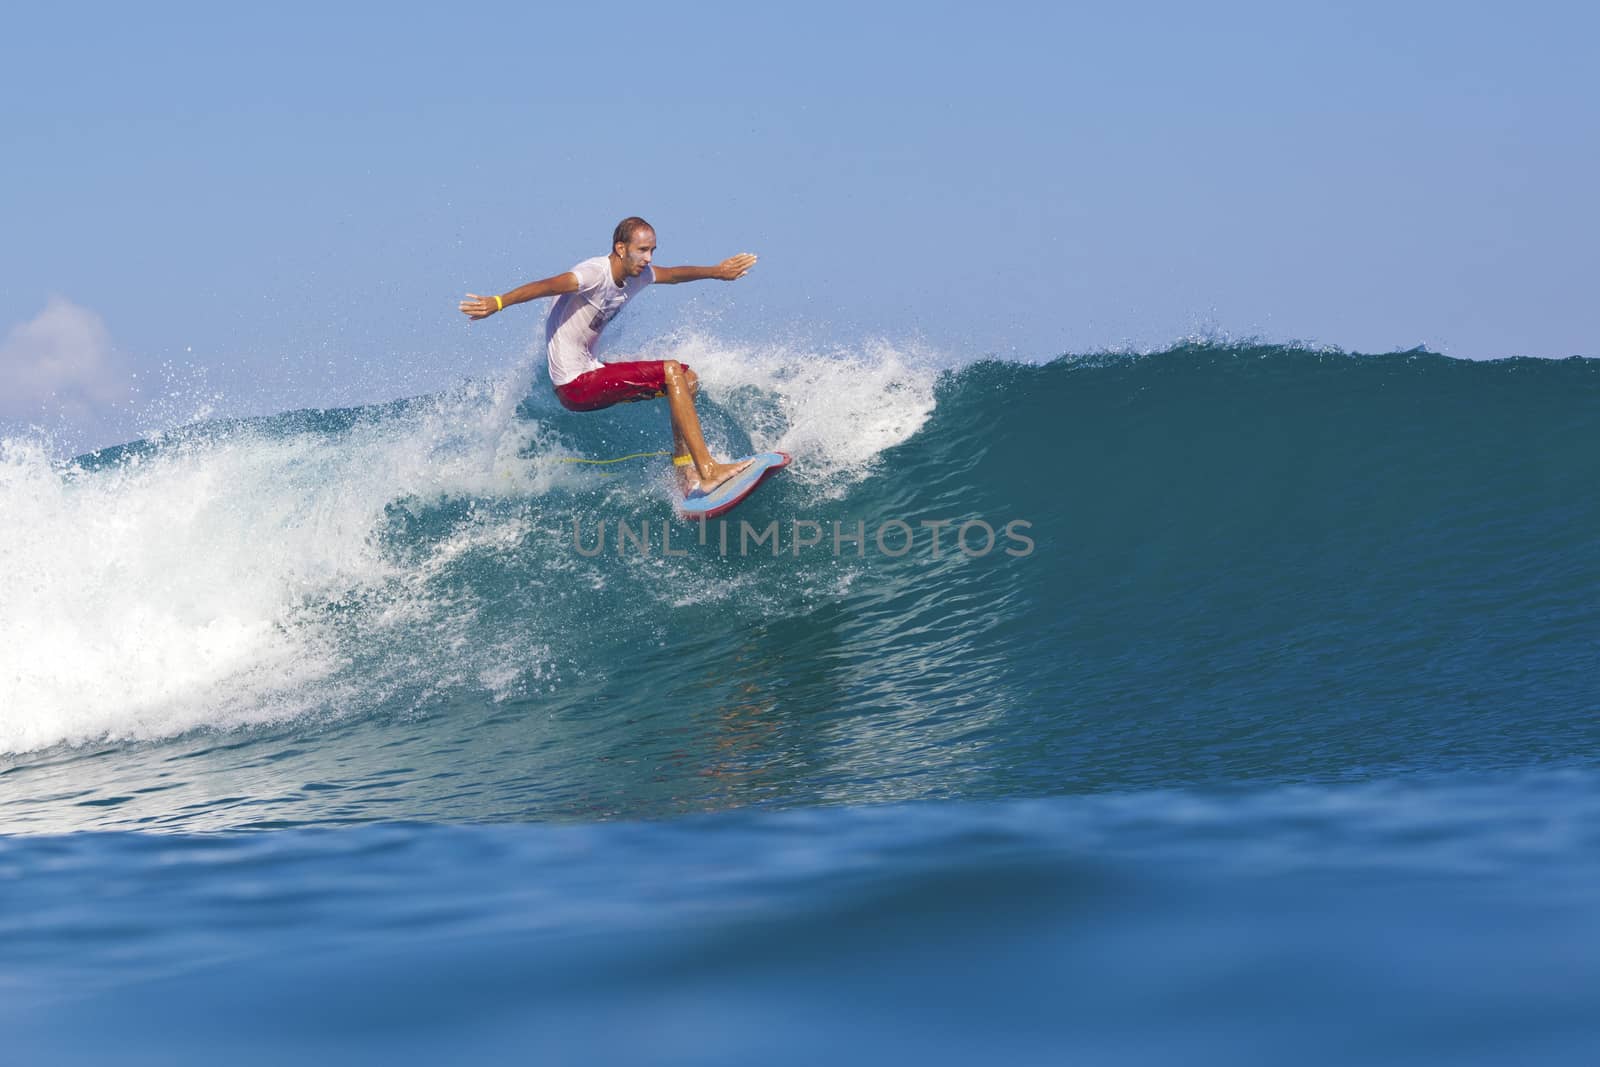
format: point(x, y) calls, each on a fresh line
point(1229, 703)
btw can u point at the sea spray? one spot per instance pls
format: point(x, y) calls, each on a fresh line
point(328, 563)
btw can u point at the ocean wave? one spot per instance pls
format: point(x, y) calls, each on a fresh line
point(1238, 553)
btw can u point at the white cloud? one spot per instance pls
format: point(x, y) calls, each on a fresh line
point(61, 365)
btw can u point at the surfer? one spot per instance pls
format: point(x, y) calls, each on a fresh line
point(589, 296)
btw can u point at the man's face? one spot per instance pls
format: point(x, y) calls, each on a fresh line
point(637, 253)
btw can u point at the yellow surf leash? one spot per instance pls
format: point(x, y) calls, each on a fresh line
point(619, 459)
point(603, 462)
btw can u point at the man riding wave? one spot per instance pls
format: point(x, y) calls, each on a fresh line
point(589, 296)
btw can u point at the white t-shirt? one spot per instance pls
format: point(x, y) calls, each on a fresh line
point(576, 319)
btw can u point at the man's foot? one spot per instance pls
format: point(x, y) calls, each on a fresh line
point(694, 485)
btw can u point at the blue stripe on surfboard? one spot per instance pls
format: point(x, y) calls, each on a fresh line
point(735, 488)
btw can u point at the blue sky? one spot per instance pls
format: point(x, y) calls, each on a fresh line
point(279, 207)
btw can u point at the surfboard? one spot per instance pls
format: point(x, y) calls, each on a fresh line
point(725, 496)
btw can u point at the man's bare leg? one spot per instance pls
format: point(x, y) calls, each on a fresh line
point(705, 473)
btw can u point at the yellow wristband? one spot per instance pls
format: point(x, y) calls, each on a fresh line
point(499, 305)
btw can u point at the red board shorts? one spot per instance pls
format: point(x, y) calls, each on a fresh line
point(615, 383)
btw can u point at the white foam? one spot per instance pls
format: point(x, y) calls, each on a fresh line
point(835, 412)
point(187, 586)
point(202, 582)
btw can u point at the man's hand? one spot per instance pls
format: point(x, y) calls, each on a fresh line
point(736, 267)
point(481, 307)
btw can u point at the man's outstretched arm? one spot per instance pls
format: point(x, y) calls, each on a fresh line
point(729, 269)
point(481, 307)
